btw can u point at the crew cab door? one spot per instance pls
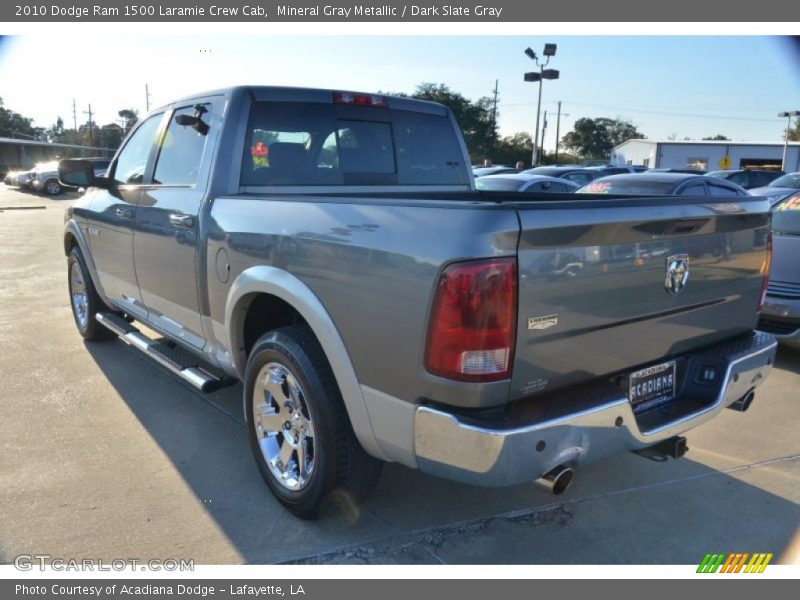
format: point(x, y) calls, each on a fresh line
point(165, 239)
point(110, 222)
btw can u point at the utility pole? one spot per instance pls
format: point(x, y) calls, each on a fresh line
point(91, 133)
point(494, 112)
point(558, 128)
point(544, 129)
point(147, 97)
point(74, 116)
point(788, 115)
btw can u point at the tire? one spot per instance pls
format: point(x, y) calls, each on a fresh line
point(52, 187)
point(84, 299)
point(295, 415)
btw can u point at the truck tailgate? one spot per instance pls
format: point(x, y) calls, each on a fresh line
point(593, 283)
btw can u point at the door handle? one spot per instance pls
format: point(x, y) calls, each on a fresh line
point(125, 213)
point(185, 221)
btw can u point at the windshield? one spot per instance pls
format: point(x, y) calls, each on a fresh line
point(628, 186)
point(790, 180)
point(499, 184)
point(786, 217)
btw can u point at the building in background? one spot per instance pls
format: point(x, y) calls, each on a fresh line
point(24, 154)
point(706, 154)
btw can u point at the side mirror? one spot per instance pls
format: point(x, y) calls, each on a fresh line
point(76, 173)
point(194, 121)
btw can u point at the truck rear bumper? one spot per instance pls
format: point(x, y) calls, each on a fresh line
point(540, 434)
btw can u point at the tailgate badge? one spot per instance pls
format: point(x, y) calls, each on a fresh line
point(543, 322)
point(677, 273)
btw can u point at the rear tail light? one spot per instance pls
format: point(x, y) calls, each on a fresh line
point(765, 269)
point(471, 332)
point(359, 99)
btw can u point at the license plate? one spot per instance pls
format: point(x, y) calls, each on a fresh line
point(652, 385)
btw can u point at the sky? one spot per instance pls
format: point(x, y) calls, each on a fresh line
point(683, 86)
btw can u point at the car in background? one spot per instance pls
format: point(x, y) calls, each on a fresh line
point(663, 184)
point(780, 315)
point(780, 188)
point(687, 170)
point(524, 182)
point(18, 178)
point(44, 178)
point(617, 169)
point(495, 170)
point(579, 175)
point(747, 178)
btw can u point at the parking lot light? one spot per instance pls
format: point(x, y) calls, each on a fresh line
point(533, 77)
point(788, 115)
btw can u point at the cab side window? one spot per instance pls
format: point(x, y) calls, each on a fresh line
point(181, 149)
point(132, 161)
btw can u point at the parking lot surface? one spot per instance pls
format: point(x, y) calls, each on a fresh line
point(105, 455)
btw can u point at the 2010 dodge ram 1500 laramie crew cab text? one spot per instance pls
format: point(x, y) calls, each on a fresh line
point(329, 250)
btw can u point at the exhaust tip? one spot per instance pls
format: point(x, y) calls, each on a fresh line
point(559, 479)
point(743, 403)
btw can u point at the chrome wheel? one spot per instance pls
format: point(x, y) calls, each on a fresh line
point(77, 289)
point(283, 426)
point(53, 187)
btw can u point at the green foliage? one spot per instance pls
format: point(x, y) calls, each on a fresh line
point(594, 138)
point(13, 124)
point(473, 117)
point(794, 133)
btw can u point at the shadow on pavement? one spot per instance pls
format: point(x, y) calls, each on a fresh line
point(624, 510)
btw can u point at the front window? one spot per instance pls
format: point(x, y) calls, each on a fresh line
point(132, 161)
point(697, 162)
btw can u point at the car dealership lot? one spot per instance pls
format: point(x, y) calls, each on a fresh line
point(105, 455)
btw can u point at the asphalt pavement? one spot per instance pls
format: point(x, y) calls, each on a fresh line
point(105, 455)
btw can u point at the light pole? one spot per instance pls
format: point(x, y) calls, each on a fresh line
point(548, 52)
point(788, 115)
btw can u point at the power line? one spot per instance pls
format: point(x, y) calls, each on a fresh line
point(655, 112)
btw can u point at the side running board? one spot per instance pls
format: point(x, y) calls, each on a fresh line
point(179, 362)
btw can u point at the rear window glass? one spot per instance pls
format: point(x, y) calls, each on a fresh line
point(306, 143)
point(786, 217)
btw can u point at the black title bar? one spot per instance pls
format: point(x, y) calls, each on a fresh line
point(505, 11)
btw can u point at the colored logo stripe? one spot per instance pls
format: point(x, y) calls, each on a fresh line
point(734, 562)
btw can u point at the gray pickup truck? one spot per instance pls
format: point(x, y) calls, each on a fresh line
point(329, 250)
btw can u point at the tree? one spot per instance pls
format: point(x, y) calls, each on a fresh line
point(13, 124)
point(513, 148)
point(594, 138)
point(718, 138)
point(473, 117)
point(130, 116)
point(794, 134)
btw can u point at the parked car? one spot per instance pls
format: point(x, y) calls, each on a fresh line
point(616, 169)
point(44, 178)
point(578, 175)
point(496, 170)
point(663, 184)
point(524, 182)
point(687, 170)
point(781, 313)
point(18, 178)
point(747, 178)
point(780, 188)
point(377, 307)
